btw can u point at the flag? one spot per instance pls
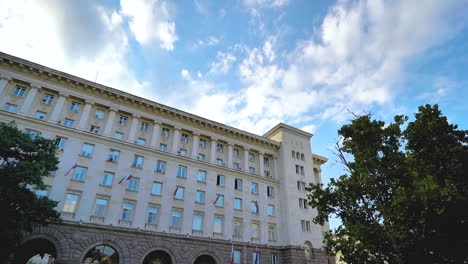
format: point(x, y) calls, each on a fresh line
point(257, 258)
point(217, 197)
point(3, 162)
point(256, 207)
point(72, 168)
point(126, 178)
point(232, 254)
point(175, 191)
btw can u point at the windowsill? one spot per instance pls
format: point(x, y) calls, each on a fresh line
point(239, 190)
point(217, 235)
point(84, 156)
point(238, 238)
point(111, 161)
point(271, 215)
point(157, 195)
point(255, 239)
point(222, 186)
point(197, 232)
point(178, 199)
point(204, 182)
point(125, 222)
point(174, 228)
point(135, 191)
point(254, 193)
point(238, 210)
point(81, 181)
point(105, 186)
point(151, 226)
point(199, 203)
point(67, 214)
point(183, 177)
point(46, 104)
point(135, 167)
point(97, 218)
point(218, 206)
point(271, 197)
point(160, 172)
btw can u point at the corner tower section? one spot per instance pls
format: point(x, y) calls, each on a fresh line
point(297, 167)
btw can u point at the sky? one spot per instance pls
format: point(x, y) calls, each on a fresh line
point(254, 63)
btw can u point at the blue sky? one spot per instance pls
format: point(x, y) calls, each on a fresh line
point(254, 63)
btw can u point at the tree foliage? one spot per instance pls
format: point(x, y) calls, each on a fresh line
point(24, 162)
point(404, 198)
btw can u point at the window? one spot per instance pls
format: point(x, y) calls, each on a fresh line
point(118, 135)
point(152, 215)
point(32, 134)
point(123, 120)
point(305, 226)
point(238, 184)
point(302, 170)
point(302, 203)
point(40, 115)
point(75, 107)
point(236, 166)
point(48, 99)
point(201, 156)
point(161, 166)
point(218, 224)
point(202, 142)
point(254, 187)
point(19, 90)
point(133, 184)
point(70, 203)
point(138, 162)
point(179, 194)
point(175, 218)
point(182, 171)
point(251, 169)
point(200, 197)
point(237, 227)
point(297, 169)
point(301, 186)
point(251, 157)
point(41, 193)
point(163, 147)
point(302, 156)
point(68, 122)
point(298, 155)
point(201, 176)
point(197, 222)
point(266, 160)
point(144, 126)
point(165, 132)
point(113, 155)
point(238, 204)
point(266, 174)
point(107, 178)
point(219, 200)
point(235, 152)
point(220, 180)
point(273, 259)
point(271, 232)
point(99, 114)
point(254, 207)
point(60, 143)
point(184, 137)
point(94, 129)
point(127, 211)
point(270, 191)
point(10, 108)
point(80, 174)
point(87, 150)
point(220, 147)
point(141, 141)
point(157, 188)
point(219, 162)
point(271, 210)
point(183, 152)
point(255, 230)
point(237, 257)
point(100, 207)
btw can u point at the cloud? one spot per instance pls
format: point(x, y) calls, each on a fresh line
point(265, 3)
point(149, 21)
point(223, 63)
point(210, 41)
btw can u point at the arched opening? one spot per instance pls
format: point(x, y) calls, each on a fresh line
point(102, 254)
point(298, 156)
point(205, 259)
point(308, 251)
point(293, 154)
point(37, 251)
point(302, 156)
point(158, 257)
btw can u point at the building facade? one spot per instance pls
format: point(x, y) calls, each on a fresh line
point(141, 182)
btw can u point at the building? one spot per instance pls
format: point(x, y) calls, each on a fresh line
point(197, 189)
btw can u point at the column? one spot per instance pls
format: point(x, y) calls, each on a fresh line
point(261, 164)
point(275, 168)
point(175, 140)
point(84, 116)
point(229, 161)
point(109, 123)
point(3, 89)
point(196, 138)
point(54, 117)
point(154, 138)
point(28, 102)
point(245, 166)
point(213, 151)
point(133, 128)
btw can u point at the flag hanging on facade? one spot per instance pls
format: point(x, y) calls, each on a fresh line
point(257, 258)
point(126, 178)
point(256, 207)
point(232, 254)
point(175, 191)
point(217, 197)
point(72, 168)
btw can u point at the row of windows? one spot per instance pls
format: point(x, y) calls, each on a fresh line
point(297, 155)
point(152, 216)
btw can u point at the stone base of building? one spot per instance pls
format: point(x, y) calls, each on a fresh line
point(69, 243)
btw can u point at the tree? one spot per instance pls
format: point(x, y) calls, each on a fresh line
point(24, 162)
point(404, 198)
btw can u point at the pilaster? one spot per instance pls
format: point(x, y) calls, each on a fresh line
point(28, 102)
point(85, 116)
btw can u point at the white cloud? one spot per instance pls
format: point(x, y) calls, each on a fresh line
point(150, 20)
point(223, 63)
point(210, 41)
point(265, 3)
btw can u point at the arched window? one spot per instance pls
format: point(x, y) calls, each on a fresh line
point(102, 254)
point(302, 156)
point(298, 156)
point(308, 251)
point(293, 154)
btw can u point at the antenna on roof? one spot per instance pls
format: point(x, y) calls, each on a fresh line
point(95, 79)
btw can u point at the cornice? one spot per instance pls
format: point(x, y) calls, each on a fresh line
point(289, 128)
point(74, 82)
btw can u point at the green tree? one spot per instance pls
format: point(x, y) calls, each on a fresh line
point(404, 197)
point(24, 162)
